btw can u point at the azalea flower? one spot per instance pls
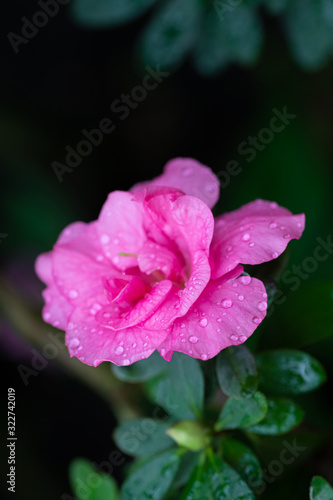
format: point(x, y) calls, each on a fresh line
point(156, 271)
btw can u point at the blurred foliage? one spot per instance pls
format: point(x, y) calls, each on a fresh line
point(219, 32)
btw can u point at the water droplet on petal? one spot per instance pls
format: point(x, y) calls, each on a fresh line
point(286, 236)
point(203, 357)
point(203, 322)
point(183, 340)
point(73, 343)
point(105, 239)
point(240, 297)
point(47, 316)
point(233, 338)
point(193, 339)
point(73, 294)
point(246, 237)
point(251, 245)
point(256, 320)
point(246, 280)
point(134, 345)
point(242, 338)
point(226, 303)
point(182, 325)
point(262, 306)
point(235, 284)
point(219, 320)
point(126, 362)
point(275, 255)
point(273, 204)
point(229, 248)
point(145, 344)
point(119, 350)
point(273, 225)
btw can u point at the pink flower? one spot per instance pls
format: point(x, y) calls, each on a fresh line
point(155, 271)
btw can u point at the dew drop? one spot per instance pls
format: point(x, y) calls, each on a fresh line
point(256, 320)
point(233, 338)
point(203, 322)
point(240, 297)
point(182, 325)
point(246, 237)
point(262, 306)
point(242, 338)
point(286, 236)
point(119, 350)
point(47, 316)
point(251, 245)
point(105, 239)
point(203, 357)
point(219, 320)
point(235, 284)
point(73, 294)
point(73, 343)
point(273, 225)
point(183, 340)
point(246, 280)
point(275, 255)
point(193, 339)
point(126, 362)
point(145, 344)
point(134, 345)
point(121, 343)
point(229, 248)
point(226, 303)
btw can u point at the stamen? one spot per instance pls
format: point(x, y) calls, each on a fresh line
point(123, 254)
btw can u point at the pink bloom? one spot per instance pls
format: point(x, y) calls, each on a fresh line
point(155, 271)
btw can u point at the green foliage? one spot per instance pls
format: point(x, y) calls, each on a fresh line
point(143, 437)
point(320, 489)
point(88, 484)
point(282, 416)
point(289, 371)
point(239, 413)
point(105, 13)
point(237, 372)
point(243, 460)
point(153, 478)
point(218, 33)
point(215, 479)
point(141, 370)
point(180, 394)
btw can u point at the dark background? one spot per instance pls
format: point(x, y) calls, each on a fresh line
point(63, 81)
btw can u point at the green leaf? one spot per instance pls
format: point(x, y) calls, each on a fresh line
point(230, 34)
point(141, 370)
point(104, 13)
point(289, 371)
point(309, 32)
point(171, 33)
point(181, 390)
point(282, 416)
point(153, 478)
point(88, 484)
point(238, 413)
point(276, 6)
point(243, 460)
point(237, 372)
point(320, 489)
point(188, 463)
point(216, 480)
point(143, 436)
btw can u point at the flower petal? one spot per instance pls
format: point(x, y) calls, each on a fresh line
point(257, 232)
point(189, 175)
point(226, 313)
point(92, 343)
point(120, 228)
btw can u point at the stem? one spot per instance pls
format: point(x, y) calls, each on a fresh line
point(119, 396)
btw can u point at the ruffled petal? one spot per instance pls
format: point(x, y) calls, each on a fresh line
point(227, 313)
point(191, 177)
point(93, 343)
point(257, 232)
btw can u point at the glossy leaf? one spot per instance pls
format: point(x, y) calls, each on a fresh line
point(243, 460)
point(141, 370)
point(88, 484)
point(153, 478)
point(289, 371)
point(282, 416)
point(181, 390)
point(216, 481)
point(320, 489)
point(103, 13)
point(237, 372)
point(238, 413)
point(171, 33)
point(143, 436)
